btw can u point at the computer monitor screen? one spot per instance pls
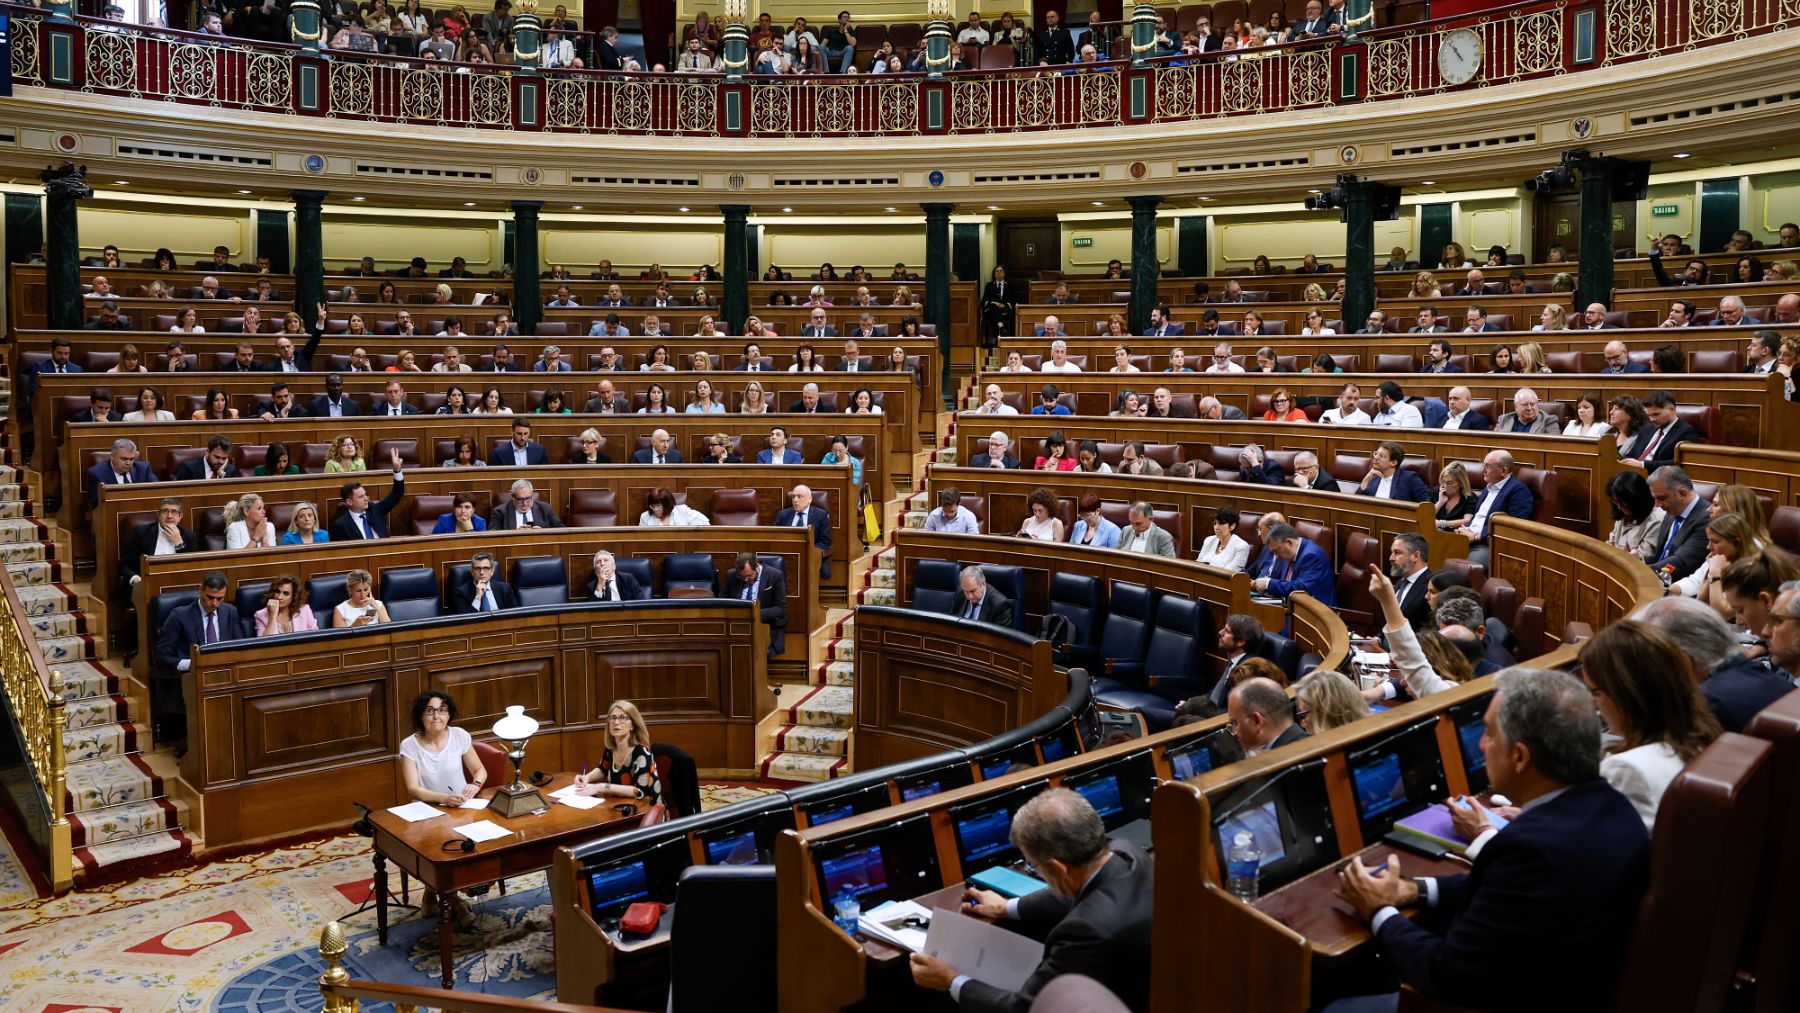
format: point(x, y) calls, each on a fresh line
point(611, 889)
point(984, 835)
point(1396, 777)
point(831, 806)
point(941, 777)
point(1470, 719)
point(856, 872)
point(920, 789)
point(1015, 758)
point(1119, 789)
point(1103, 794)
point(1264, 825)
point(996, 768)
point(737, 849)
point(1379, 785)
point(1189, 761)
point(831, 815)
point(1063, 744)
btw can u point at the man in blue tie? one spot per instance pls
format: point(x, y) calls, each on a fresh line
point(751, 580)
point(1300, 565)
point(208, 619)
point(479, 591)
point(363, 519)
point(1679, 546)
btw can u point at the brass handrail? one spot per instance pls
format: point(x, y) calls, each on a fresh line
point(34, 692)
point(342, 995)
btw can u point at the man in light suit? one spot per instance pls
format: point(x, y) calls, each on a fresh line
point(523, 451)
point(361, 518)
point(778, 452)
point(1462, 416)
point(609, 583)
point(122, 468)
point(1094, 919)
point(1300, 565)
point(1387, 480)
point(981, 602)
point(1503, 494)
point(522, 510)
point(816, 327)
point(802, 514)
point(1525, 417)
point(1144, 535)
point(208, 619)
point(660, 450)
point(1680, 544)
point(1564, 879)
point(751, 580)
point(998, 443)
point(215, 464)
point(479, 591)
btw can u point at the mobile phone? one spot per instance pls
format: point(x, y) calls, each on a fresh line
point(1373, 869)
point(370, 612)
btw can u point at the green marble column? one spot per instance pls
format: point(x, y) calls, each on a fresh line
point(528, 291)
point(937, 286)
point(309, 253)
point(1594, 282)
point(734, 55)
point(1145, 267)
point(1359, 255)
point(64, 187)
point(735, 303)
point(1143, 35)
point(1359, 16)
point(306, 26)
point(528, 41)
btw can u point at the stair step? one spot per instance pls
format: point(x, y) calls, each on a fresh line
point(883, 576)
point(836, 673)
point(57, 625)
point(58, 650)
point(914, 519)
point(123, 822)
point(815, 741)
point(825, 707)
point(23, 552)
point(97, 784)
point(803, 766)
point(16, 529)
point(877, 596)
point(16, 508)
point(84, 679)
point(840, 649)
point(88, 712)
point(41, 571)
point(100, 742)
point(99, 858)
point(888, 558)
point(47, 599)
point(919, 501)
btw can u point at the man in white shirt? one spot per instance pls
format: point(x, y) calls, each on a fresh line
point(1221, 360)
point(973, 33)
point(1059, 356)
point(1394, 409)
point(951, 516)
point(992, 404)
point(1349, 409)
point(393, 401)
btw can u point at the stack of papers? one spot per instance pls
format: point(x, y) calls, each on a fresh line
point(413, 812)
point(567, 796)
point(475, 803)
point(982, 950)
point(483, 830)
point(889, 923)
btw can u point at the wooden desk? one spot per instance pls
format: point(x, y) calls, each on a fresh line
point(1311, 906)
point(418, 850)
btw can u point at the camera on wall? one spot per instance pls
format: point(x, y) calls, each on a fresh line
point(1384, 200)
point(1630, 180)
point(1559, 177)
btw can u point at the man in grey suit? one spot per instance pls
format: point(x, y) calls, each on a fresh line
point(1144, 535)
point(1525, 417)
point(1680, 544)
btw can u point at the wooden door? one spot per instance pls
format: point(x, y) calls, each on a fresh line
point(1026, 247)
point(1558, 223)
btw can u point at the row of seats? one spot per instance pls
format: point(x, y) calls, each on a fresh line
point(1710, 360)
point(95, 360)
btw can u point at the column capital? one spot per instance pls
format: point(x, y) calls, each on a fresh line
point(527, 207)
point(1144, 202)
point(736, 211)
point(938, 209)
point(312, 197)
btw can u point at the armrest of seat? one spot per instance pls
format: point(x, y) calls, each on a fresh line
point(1177, 687)
point(1116, 667)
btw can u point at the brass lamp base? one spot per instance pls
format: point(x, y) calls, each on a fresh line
point(516, 799)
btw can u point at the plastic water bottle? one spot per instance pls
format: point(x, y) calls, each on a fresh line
point(845, 909)
point(1242, 863)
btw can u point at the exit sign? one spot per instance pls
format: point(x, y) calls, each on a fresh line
point(1664, 210)
point(1082, 242)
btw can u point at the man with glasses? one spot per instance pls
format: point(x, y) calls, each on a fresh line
point(164, 536)
point(816, 326)
point(751, 580)
point(998, 443)
point(1387, 480)
point(524, 511)
point(1221, 360)
point(1783, 631)
point(1261, 717)
point(1618, 360)
point(1306, 472)
point(208, 619)
point(803, 514)
point(121, 468)
point(479, 591)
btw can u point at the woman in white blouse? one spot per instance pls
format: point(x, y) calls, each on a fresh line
point(1223, 548)
point(806, 360)
point(658, 361)
point(1315, 325)
point(187, 322)
point(1590, 418)
point(1041, 524)
point(1122, 361)
point(661, 510)
point(360, 608)
point(247, 523)
point(1645, 695)
point(755, 401)
point(863, 403)
point(1636, 517)
point(150, 408)
point(656, 401)
point(438, 761)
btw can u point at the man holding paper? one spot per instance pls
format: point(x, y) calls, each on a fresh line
point(1094, 919)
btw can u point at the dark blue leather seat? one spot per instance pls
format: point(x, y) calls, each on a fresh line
point(722, 940)
point(1284, 652)
point(688, 570)
point(1166, 675)
point(639, 569)
point(1125, 634)
point(1076, 597)
point(1009, 581)
point(251, 597)
point(936, 586)
point(324, 594)
point(410, 593)
point(540, 580)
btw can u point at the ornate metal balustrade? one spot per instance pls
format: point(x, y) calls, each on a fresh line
point(35, 705)
point(1517, 43)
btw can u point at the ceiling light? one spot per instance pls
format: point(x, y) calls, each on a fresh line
point(1679, 154)
point(1315, 191)
point(892, 209)
point(1428, 182)
point(359, 199)
point(245, 191)
point(787, 209)
point(681, 209)
point(121, 182)
point(578, 207)
point(1206, 198)
point(993, 207)
point(1098, 203)
point(468, 203)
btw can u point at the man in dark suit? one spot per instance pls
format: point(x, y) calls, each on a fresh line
point(122, 468)
point(393, 402)
point(1503, 494)
point(1000, 299)
point(1387, 480)
point(522, 510)
point(1680, 544)
point(1655, 446)
point(981, 602)
point(802, 514)
point(1594, 318)
point(659, 451)
point(1300, 565)
point(1255, 467)
point(503, 361)
point(209, 619)
point(99, 409)
point(1618, 360)
point(1161, 326)
point(1241, 637)
point(1427, 322)
point(816, 327)
point(609, 583)
point(1461, 415)
point(1695, 272)
point(1736, 687)
point(1563, 880)
point(1163, 406)
point(810, 402)
point(753, 359)
point(479, 591)
point(1765, 346)
point(281, 404)
point(606, 57)
point(58, 362)
point(459, 268)
point(361, 518)
point(214, 465)
point(1055, 45)
point(1318, 22)
point(996, 457)
point(288, 359)
point(1094, 919)
point(334, 403)
point(751, 580)
point(161, 537)
point(522, 451)
point(1262, 716)
point(1475, 321)
point(1437, 357)
point(777, 452)
point(109, 319)
point(1409, 559)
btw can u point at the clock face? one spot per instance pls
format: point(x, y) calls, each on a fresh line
point(1459, 56)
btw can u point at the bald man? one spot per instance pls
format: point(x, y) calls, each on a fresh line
point(803, 514)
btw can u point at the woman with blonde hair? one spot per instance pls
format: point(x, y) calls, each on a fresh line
point(303, 526)
point(1728, 539)
point(247, 523)
point(1314, 293)
point(755, 401)
point(627, 768)
point(1551, 318)
point(443, 294)
point(1325, 700)
point(405, 362)
point(1742, 500)
point(702, 362)
point(345, 456)
point(360, 607)
point(284, 609)
point(1531, 358)
point(1424, 286)
point(903, 296)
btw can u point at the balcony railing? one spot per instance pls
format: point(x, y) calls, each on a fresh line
point(1521, 42)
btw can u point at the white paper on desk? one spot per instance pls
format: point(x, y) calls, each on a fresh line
point(887, 923)
point(578, 801)
point(413, 812)
point(475, 803)
point(1371, 659)
point(483, 830)
point(565, 791)
point(982, 950)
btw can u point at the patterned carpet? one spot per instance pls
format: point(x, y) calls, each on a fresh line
point(240, 934)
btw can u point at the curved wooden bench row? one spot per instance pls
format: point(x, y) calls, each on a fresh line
point(1582, 467)
point(1752, 410)
point(615, 491)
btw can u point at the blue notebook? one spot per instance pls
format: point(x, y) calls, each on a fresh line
point(1006, 882)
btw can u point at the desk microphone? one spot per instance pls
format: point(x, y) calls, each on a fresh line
point(1262, 789)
